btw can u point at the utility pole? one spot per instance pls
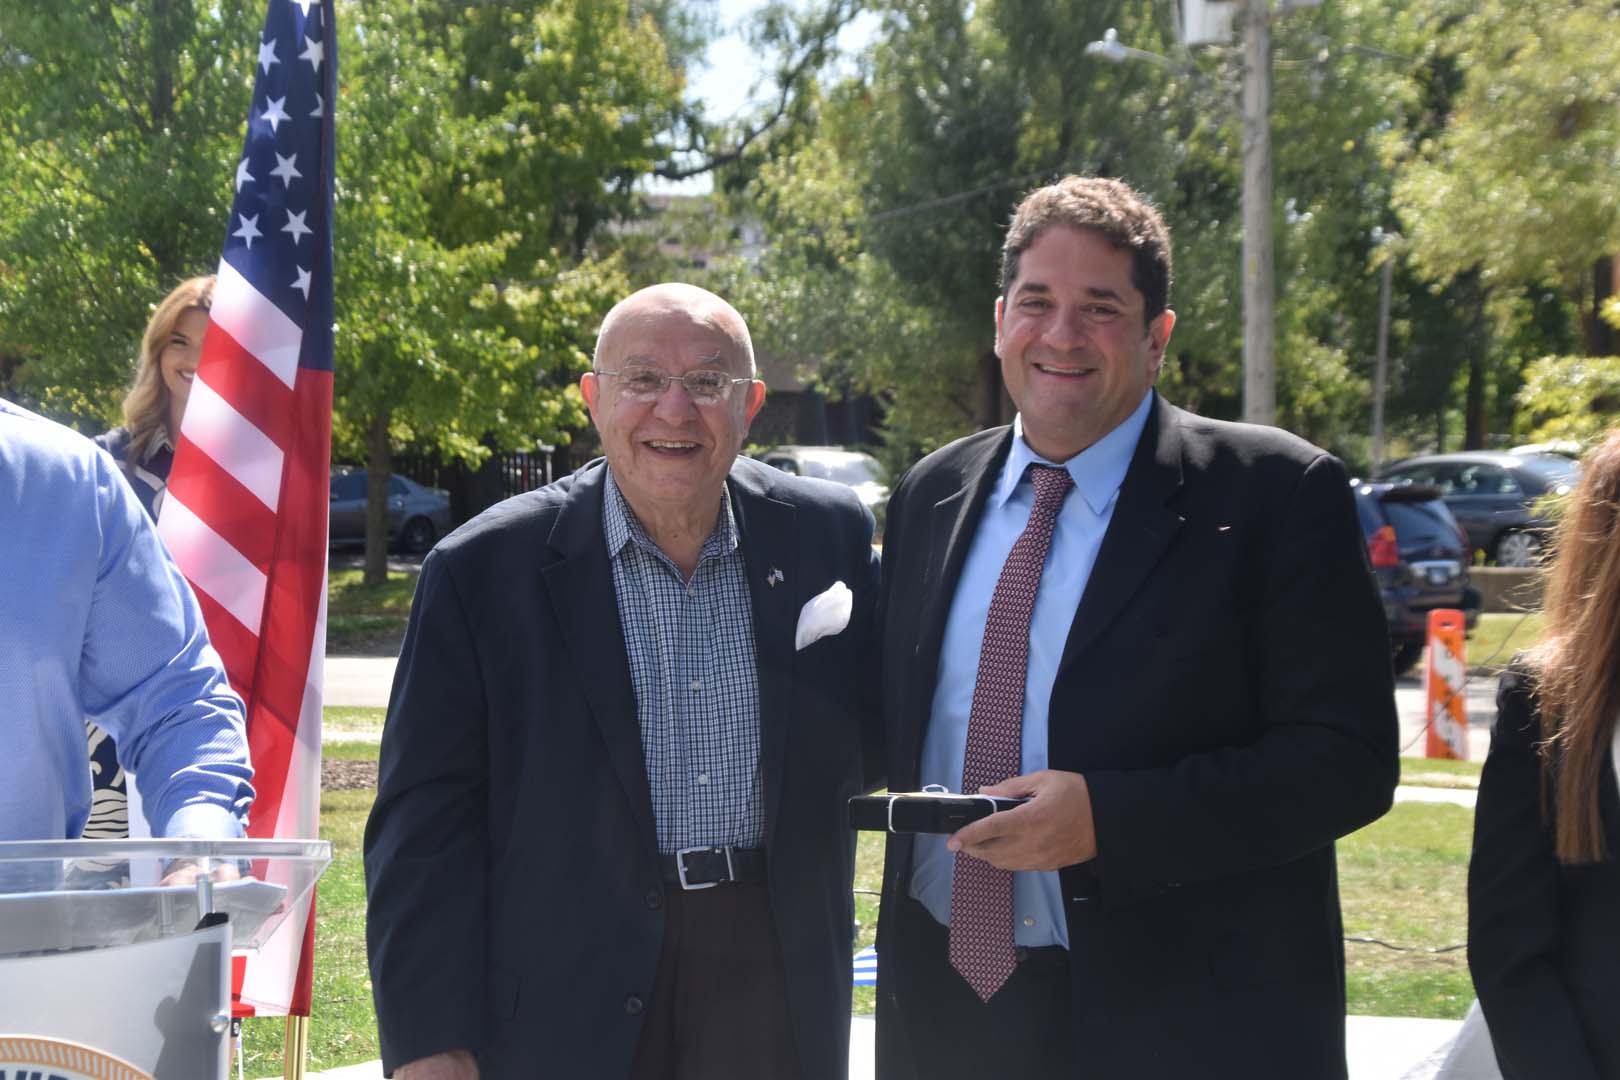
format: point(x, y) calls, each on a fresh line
point(1381, 366)
point(1259, 285)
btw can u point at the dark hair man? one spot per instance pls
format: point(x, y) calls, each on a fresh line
point(1160, 630)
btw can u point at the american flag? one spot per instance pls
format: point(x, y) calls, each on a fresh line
point(245, 512)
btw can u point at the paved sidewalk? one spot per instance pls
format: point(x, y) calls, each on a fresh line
point(357, 680)
point(1378, 1047)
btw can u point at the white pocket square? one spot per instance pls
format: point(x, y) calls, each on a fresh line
point(824, 614)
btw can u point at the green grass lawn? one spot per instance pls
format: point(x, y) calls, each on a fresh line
point(352, 719)
point(1401, 879)
point(343, 1029)
point(1498, 635)
point(1440, 772)
point(367, 619)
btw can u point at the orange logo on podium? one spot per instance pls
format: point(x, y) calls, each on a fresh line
point(25, 1055)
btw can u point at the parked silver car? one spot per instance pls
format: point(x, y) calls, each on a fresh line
point(855, 468)
point(417, 515)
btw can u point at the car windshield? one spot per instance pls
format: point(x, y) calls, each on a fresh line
point(847, 468)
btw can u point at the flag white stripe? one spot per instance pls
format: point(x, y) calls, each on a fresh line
point(256, 324)
point(272, 972)
point(233, 442)
point(212, 565)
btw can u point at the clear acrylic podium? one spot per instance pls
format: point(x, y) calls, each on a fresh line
point(95, 950)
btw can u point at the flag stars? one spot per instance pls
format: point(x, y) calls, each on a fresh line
point(314, 52)
point(295, 225)
point(267, 54)
point(275, 112)
point(286, 170)
point(302, 284)
point(305, 5)
point(243, 176)
point(320, 108)
point(249, 230)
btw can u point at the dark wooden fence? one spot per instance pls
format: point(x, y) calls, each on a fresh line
point(502, 475)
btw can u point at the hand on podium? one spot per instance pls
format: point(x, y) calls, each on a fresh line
point(454, 1065)
point(187, 871)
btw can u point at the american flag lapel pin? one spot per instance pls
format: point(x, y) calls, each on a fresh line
point(773, 577)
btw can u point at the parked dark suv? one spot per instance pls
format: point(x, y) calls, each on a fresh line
point(1419, 556)
point(1492, 494)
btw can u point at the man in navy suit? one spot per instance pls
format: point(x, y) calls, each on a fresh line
point(609, 837)
point(1206, 702)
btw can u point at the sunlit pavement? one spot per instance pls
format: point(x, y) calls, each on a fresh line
point(1378, 1048)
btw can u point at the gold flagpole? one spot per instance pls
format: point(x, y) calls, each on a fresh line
point(295, 1048)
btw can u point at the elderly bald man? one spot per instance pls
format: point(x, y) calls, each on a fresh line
point(609, 834)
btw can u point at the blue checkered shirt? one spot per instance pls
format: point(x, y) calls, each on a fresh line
point(692, 667)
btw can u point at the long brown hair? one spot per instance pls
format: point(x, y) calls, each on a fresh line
point(146, 406)
point(1577, 662)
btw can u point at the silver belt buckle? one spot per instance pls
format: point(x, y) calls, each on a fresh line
point(680, 868)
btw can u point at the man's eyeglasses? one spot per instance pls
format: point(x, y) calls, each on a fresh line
point(703, 386)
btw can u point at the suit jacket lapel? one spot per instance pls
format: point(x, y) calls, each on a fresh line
point(581, 589)
point(952, 523)
point(1142, 527)
point(770, 542)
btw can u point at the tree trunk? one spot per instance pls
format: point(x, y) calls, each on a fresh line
point(987, 403)
point(1599, 334)
point(1474, 403)
point(379, 467)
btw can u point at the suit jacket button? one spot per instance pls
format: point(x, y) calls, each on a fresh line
point(655, 899)
point(633, 1005)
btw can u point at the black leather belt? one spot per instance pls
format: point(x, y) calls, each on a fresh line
point(706, 867)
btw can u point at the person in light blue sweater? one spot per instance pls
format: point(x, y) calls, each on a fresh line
point(97, 621)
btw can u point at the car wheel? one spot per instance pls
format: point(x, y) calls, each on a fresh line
point(1405, 656)
point(1518, 549)
point(417, 536)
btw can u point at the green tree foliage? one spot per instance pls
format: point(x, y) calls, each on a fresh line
point(959, 109)
point(1518, 183)
point(474, 148)
point(1575, 398)
point(479, 148)
point(117, 126)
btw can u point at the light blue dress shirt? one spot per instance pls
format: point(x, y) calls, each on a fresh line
point(1098, 472)
point(97, 622)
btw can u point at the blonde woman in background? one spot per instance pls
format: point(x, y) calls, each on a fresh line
point(144, 449)
point(1544, 880)
point(170, 349)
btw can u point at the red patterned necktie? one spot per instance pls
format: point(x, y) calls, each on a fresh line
point(981, 932)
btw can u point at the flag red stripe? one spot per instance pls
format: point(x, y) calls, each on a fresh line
point(239, 1008)
point(236, 644)
point(252, 389)
point(297, 577)
point(304, 984)
point(225, 504)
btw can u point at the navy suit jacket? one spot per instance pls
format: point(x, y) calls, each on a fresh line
point(515, 902)
point(1225, 688)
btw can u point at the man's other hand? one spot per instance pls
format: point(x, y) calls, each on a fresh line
point(187, 871)
point(1052, 830)
point(454, 1065)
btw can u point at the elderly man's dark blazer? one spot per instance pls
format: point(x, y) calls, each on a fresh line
point(516, 906)
point(1225, 688)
